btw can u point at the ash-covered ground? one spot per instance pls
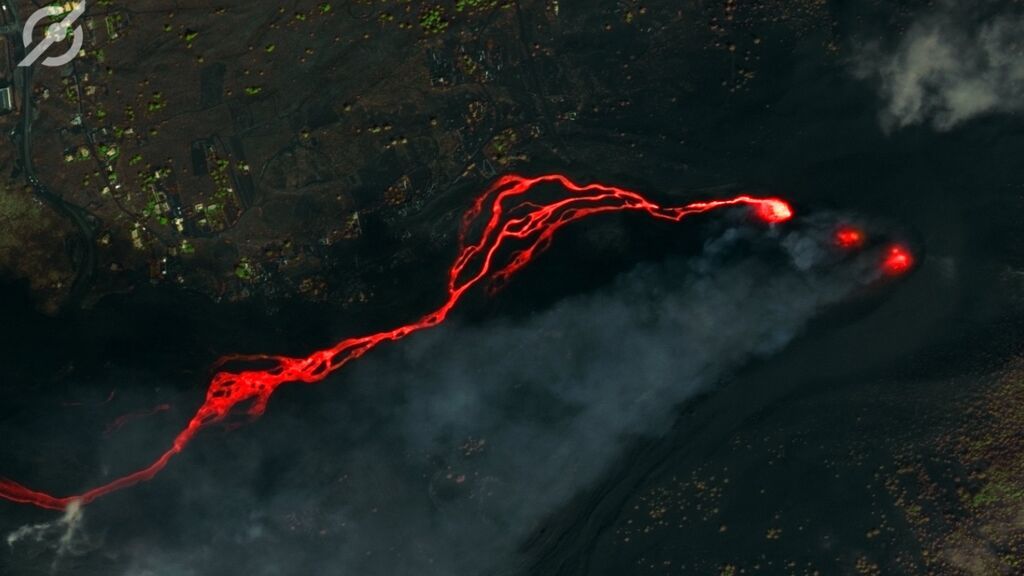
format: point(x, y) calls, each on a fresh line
point(645, 399)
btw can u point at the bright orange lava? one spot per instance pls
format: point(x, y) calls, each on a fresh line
point(773, 210)
point(508, 235)
point(849, 237)
point(897, 260)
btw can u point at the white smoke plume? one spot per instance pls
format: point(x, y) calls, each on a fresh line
point(64, 536)
point(451, 448)
point(949, 67)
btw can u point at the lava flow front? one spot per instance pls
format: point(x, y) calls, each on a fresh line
point(897, 260)
point(514, 229)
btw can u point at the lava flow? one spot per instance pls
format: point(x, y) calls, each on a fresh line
point(897, 260)
point(849, 237)
point(513, 232)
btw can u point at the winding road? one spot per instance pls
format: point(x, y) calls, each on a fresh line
point(21, 137)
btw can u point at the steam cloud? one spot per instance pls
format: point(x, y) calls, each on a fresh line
point(451, 448)
point(948, 68)
point(65, 536)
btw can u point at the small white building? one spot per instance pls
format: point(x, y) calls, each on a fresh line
point(6, 99)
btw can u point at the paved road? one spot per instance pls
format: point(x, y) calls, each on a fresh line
point(83, 220)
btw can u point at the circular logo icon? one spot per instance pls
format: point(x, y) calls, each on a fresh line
point(56, 32)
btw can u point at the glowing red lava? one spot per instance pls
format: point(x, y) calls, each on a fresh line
point(513, 230)
point(773, 210)
point(120, 421)
point(898, 260)
point(849, 237)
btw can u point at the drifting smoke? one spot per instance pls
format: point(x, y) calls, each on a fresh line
point(64, 537)
point(451, 448)
point(948, 68)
